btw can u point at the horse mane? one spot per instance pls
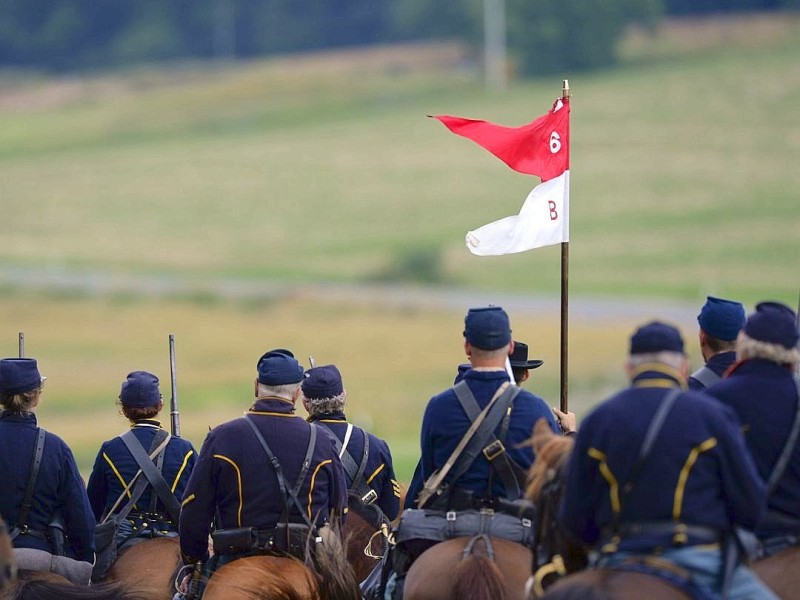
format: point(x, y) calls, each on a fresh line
point(334, 575)
point(42, 589)
point(552, 451)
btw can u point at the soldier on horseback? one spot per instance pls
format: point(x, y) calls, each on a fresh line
point(139, 477)
point(472, 460)
point(763, 391)
point(720, 321)
point(270, 481)
point(366, 459)
point(44, 501)
point(659, 478)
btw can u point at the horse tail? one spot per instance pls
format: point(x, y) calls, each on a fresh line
point(39, 589)
point(335, 577)
point(479, 578)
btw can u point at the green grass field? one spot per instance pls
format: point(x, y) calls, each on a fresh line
point(326, 169)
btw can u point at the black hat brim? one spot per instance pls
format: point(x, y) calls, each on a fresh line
point(528, 364)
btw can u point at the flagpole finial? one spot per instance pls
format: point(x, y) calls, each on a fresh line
point(565, 89)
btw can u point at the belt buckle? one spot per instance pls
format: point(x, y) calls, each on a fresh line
point(369, 497)
point(494, 450)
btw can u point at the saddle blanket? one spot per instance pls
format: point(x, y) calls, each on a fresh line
point(438, 526)
point(77, 571)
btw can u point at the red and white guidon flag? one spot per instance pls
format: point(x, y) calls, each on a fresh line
point(540, 148)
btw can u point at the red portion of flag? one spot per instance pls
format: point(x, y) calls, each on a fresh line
point(540, 148)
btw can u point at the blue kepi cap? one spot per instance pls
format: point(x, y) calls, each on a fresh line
point(721, 318)
point(487, 328)
point(773, 323)
point(19, 375)
point(279, 367)
point(322, 382)
point(140, 390)
point(656, 337)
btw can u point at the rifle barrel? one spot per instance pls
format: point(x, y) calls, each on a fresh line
point(21, 345)
point(174, 415)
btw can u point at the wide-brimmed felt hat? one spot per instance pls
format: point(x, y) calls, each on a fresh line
point(519, 357)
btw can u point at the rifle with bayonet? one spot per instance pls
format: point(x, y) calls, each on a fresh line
point(174, 415)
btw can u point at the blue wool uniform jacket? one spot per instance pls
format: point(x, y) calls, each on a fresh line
point(764, 397)
point(698, 472)
point(445, 423)
point(719, 363)
point(379, 470)
point(234, 481)
point(58, 486)
point(115, 466)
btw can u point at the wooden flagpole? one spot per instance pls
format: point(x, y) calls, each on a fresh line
point(565, 96)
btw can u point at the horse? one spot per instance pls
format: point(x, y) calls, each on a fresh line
point(18, 584)
point(558, 557)
point(327, 577)
point(364, 541)
point(8, 563)
point(780, 572)
point(151, 564)
point(476, 568)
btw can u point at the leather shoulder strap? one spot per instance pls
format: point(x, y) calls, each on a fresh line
point(511, 474)
point(36, 461)
point(289, 494)
point(355, 471)
point(788, 447)
point(151, 472)
point(706, 376)
point(485, 432)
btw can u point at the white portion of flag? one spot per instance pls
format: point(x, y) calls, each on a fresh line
point(542, 221)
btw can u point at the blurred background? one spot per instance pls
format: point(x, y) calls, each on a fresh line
point(251, 174)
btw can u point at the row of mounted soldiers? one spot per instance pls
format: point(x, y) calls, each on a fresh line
point(264, 481)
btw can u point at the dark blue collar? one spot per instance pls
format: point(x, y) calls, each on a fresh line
point(329, 417)
point(486, 375)
point(273, 404)
point(12, 417)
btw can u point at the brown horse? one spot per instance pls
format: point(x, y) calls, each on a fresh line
point(151, 565)
point(781, 572)
point(328, 577)
point(364, 543)
point(544, 489)
point(40, 585)
point(477, 568)
point(8, 563)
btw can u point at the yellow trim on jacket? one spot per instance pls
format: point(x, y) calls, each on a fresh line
point(313, 479)
point(239, 484)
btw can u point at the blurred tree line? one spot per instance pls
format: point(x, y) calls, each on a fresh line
point(543, 35)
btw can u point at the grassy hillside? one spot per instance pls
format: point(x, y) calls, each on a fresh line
point(325, 169)
point(683, 180)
